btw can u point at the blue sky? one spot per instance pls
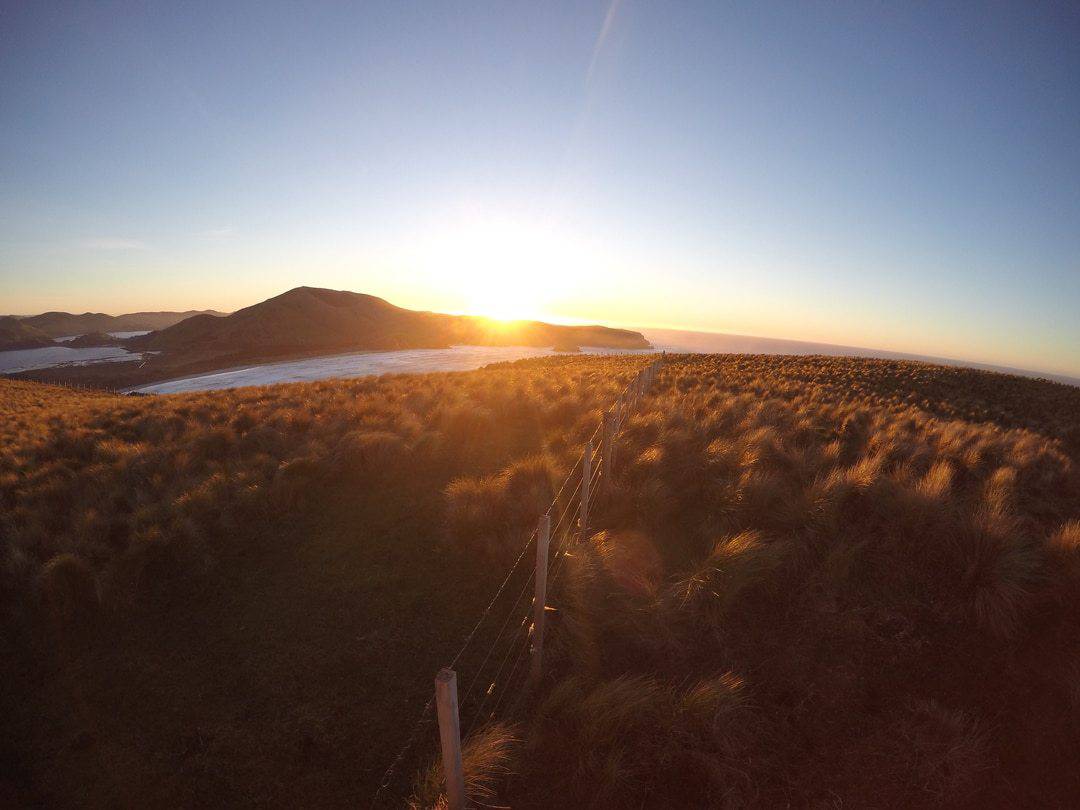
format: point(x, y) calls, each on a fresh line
point(902, 176)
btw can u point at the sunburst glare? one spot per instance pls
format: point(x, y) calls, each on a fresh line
point(505, 268)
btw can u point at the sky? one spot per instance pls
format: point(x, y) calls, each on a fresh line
point(904, 176)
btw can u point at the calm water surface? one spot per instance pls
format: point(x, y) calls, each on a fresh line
point(361, 364)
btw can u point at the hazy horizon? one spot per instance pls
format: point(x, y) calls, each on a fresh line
point(693, 340)
point(896, 179)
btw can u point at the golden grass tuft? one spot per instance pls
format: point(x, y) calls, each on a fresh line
point(736, 565)
point(370, 453)
point(487, 758)
point(493, 514)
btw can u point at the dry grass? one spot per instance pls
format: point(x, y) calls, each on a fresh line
point(813, 581)
point(884, 555)
point(486, 760)
point(107, 478)
point(222, 599)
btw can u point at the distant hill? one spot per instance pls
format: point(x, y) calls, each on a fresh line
point(62, 324)
point(304, 322)
point(307, 319)
point(93, 340)
point(16, 333)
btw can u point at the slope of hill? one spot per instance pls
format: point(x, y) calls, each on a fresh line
point(681, 340)
point(308, 322)
point(92, 339)
point(812, 581)
point(62, 324)
point(16, 333)
point(308, 318)
point(196, 585)
point(824, 582)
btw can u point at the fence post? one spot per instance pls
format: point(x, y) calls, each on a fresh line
point(586, 478)
point(607, 458)
point(543, 538)
point(450, 737)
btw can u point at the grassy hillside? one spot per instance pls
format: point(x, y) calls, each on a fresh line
point(63, 324)
point(223, 599)
point(824, 582)
point(308, 318)
point(15, 333)
point(311, 322)
point(812, 581)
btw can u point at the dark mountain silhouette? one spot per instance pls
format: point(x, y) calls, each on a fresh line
point(307, 319)
point(310, 322)
point(93, 339)
point(16, 333)
point(63, 324)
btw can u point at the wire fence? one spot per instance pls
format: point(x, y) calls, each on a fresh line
point(500, 675)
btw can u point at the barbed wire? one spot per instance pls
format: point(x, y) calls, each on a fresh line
point(494, 599)
point(523, 642)
point(421, 721)
point(510, 678)
point(619, 410)
point(506, 623)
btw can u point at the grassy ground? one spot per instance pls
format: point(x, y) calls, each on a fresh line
point(824, 582)
point(242, 597)
point(813, 581)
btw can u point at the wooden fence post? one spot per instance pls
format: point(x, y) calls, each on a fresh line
point(450, 737)
point(543, 538)
point(586, 479)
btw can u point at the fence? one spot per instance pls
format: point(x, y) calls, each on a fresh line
point(565, 521)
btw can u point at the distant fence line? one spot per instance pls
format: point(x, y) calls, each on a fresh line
point(589, 476)
point(69, 384)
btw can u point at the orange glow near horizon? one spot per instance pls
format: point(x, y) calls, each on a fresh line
point(502, 268)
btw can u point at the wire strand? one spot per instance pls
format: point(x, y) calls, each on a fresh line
point(509, 679)
point(422, 720)
point(619, 409)
point(506, 685)
point(494, 599)
point(502, 630)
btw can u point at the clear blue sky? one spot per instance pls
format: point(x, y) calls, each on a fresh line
point(902, 176)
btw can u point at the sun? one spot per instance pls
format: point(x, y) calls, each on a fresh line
point(502, 268)
point(501, 305)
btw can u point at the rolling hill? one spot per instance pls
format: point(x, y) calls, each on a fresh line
point(62, 324)
point(308, 318)
point(15, 333)
point(309, 322)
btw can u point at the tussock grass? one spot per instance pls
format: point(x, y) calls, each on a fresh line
point(883, 556)
point(637, 741)
point(487, 759)
point(491, 515)
point(812, 582)
point(268, 571)
point(95, 473)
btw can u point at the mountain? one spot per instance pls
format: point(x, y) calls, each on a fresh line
point(62, 324)
point(93, 340)
point(16, 333)
point(308, 322)
point(309, 319)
